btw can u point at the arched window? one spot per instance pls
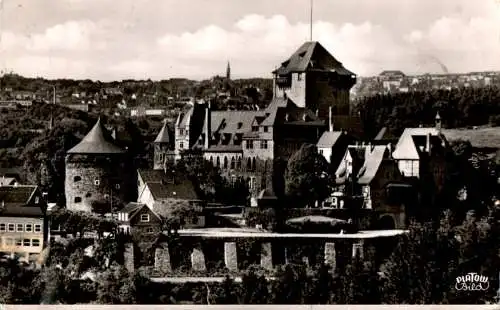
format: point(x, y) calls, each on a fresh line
point(212, 160)
point(254, 166)
point(218, 161)
point(225, 162)
point(233, 163)
point(238, 163)
point(249, 164)
point(77, 178)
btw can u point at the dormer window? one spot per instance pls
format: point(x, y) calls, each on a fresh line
point(144, 218)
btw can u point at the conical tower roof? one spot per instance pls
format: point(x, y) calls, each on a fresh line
point(97, 141)
point(163, 136)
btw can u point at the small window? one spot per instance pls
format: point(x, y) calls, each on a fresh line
point(35, 242)
point(97, 182)
point(263, 144)
point(299, 76)
point(77, 178)
point(2, 227)
point(88, 195)
point(150, 230)
point(250, 144)
point(266, 129)
point(20, 227)
point(11, 228)
point(19, 242)
point(144, 217)
point(38, 228)
point(29, 227)
point(181, 145)
point(117, 186)
point(26, 242)
point(78, 199)
point(255, 128)
point(240, 124)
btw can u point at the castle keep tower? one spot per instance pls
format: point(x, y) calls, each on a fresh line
point(96, 170)
point(312, 78)
point(164, 151)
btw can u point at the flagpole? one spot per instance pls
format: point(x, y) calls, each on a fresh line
point(311, 21)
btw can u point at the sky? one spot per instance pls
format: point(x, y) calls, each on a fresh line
point(161, 39)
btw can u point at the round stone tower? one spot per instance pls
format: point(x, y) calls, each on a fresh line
point(96, 171)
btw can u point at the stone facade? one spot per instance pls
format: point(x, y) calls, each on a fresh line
point(96, 177)
point(162, 259)
point(266, 256)
point(198, 260)
point(330, 255)
point(230, 256)
point(129, 257)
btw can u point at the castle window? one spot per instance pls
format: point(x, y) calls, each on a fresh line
point(11, 227)
point(35, 242)
point(249, 144)
point(218, 162)
point(255, 128)
point(117, 186)
point(181, 145)
point(181, 132)
point(251, 184)
point(29, 227)
point(97, 182)
point(240, 124)
point(233, 163)
point(77, 178)
point(144, 217)
point(266, 129)
point(2, 227)
point(38, 228)
point(150, 230)
point(78, 199)
point(20, 227)
point(26, 242)
point(225, 162)
point(263, 144)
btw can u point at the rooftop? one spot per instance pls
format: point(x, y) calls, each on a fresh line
point(97, 141)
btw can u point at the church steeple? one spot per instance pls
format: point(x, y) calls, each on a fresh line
point(228, 71)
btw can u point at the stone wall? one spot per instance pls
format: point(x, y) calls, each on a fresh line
point(88, 179)
point(129, 258)
point(162, 259)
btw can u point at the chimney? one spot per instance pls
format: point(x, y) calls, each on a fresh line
point(330, 121)
point(208, 125)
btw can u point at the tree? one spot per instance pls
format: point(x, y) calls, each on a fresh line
point(307, 177)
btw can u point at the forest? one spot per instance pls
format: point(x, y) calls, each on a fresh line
point(464, 107)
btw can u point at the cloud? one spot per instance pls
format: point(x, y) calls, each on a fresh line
point(254, 44)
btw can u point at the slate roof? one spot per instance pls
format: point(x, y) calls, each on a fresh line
point(312, 56)
point(328, 139)
point(17, 200)
point(405, 148)
point(372, 164)
point(97, 141)
point(164, 134)
point(178, 190)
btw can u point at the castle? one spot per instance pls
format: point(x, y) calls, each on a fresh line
point(310, 91)
point(97, 172)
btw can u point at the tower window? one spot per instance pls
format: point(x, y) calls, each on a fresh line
point(77, 178)
point(2, 227)
point(78, 199)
